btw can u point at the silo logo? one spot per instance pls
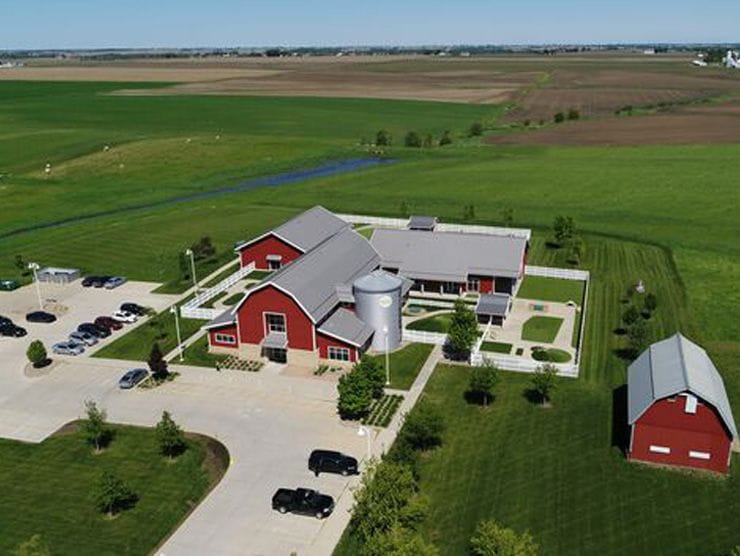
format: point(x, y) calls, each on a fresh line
point(385, 301)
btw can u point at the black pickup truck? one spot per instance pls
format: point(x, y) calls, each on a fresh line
point(303, 501)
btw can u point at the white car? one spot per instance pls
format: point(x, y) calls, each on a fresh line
point(124, 316)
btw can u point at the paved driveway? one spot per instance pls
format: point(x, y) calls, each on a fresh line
point(268, 422)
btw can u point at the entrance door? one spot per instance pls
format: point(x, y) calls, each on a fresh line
point(277, 355)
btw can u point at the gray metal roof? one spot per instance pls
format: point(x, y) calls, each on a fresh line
point(378, 281)
point(309, 229)
point(313, 278)
point(496, 304)
point(422, 223)
point(343, 324)
point(673, 366)
point(223, 319)
point(449, 256)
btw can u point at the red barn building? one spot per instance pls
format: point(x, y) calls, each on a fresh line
point(305, 310)
point(678, 409)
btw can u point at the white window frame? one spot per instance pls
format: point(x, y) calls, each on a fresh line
point(473, 284)
point(226, 339)
point(700, 455)
point(660, 449)
point(274, 265)
point(268, 326)
point(333, 351)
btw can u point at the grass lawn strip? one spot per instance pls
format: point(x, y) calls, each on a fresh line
point(211, 302)
point(405, 364)
point(542, 288)
point(436, 323)
point(48, 490)
point(496, 347)
point(197, 354)
point(541, 329)
point(233, 299)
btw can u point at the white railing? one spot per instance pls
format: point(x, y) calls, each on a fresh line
point(476, 348)
point(193, 310)
point(562, 273)
point(417, 300)
point(424, 337)
point(519, 364)
point(442, 227)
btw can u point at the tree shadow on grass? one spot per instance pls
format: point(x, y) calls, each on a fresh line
point(478, 398)
point(533, 396)
point(620, 428)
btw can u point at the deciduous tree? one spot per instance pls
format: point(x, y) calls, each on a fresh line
point(157, 364)
point(544, 381)
point(355, 395)
point(476, 129)
point(423, 426)
point(446, 139)
point(463, 330)
point(483, 379)
point(36, 353)
point(94, 427)
point(113, 495)
point(412, 139)
point(383, 138)
point(492, 539)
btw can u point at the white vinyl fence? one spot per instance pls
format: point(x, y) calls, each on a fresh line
point(562, 273)
point(519, 364)
point(423, 337)
point(193, 310)
point(442, 227)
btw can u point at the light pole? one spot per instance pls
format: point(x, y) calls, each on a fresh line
point(189, 253)
point(387, 359)
point(364, 431)
point(174, 311)
point(35, 267)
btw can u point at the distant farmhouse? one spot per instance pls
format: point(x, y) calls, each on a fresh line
point(678, 409)
point(333, 293)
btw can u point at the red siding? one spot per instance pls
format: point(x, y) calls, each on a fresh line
point(269, 245)
point(227, 329)
point(667, 424)
point(326, 341)
point(271, 300)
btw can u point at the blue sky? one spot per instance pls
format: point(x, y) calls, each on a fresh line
point(171, 23)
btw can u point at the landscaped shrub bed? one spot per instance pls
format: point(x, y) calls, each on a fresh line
point(550, 355)
point(383, 410)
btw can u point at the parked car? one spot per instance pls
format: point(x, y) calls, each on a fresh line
point(109, 323)
point(303, 501)
point(134, 308)
point(40, 316)
point(124, 316)
point(114, 282)
point(94, 329)
point(5, 320)
point(329, 461)
point(70, 347)
point(89, 281)
point(9, 285)
point(10, 329)
point(100, 282)
point(83, 338)
point(132, 378)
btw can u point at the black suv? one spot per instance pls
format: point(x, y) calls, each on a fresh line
point(303, 501)
point(10, 329)
point(133, 308)
point(329, 461)
point(94, 329)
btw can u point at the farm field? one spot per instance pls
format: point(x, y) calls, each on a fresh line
point(48, 489)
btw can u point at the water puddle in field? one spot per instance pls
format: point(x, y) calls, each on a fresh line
point(275, 180)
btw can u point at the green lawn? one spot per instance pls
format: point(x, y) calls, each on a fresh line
point(496, 347)
point(231, 269)
point(436, 323)
point(555, 473)
point(405, 364)
point(211, 302)
point(541, 329)
point(136, 344)
point(48, 490)
point(542, 288)
point(551, 355)
point(233, 299)
point(197, 354)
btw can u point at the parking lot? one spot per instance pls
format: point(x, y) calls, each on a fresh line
point(269, 423)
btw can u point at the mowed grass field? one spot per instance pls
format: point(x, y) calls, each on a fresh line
point(49, 489)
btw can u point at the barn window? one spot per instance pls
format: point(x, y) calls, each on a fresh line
point(699, 455)
point(660, 449)
point(275, 322)
point(338, 353)
point(225, 339)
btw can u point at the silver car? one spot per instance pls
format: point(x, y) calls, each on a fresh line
point(69, 347)
point(114, 282)
point(83, 338)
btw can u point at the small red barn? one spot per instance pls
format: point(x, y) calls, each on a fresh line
point(678, 409)
point(281, 246)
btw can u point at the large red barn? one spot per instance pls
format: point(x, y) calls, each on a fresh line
point(678, 409)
